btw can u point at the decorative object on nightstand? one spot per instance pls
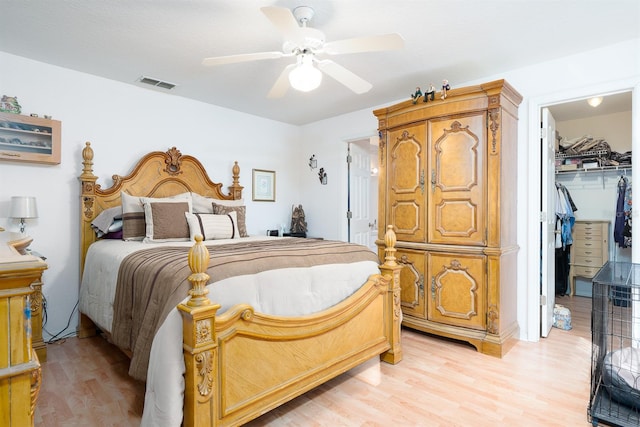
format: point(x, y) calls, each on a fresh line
point(313, 162)
point(298, 222)
point(23, 207)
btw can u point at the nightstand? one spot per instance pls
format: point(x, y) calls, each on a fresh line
point(302, 236)
point(19, 366)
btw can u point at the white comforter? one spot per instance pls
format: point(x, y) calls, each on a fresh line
point(327, 284)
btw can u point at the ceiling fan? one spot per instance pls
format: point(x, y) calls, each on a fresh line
point(306, 43)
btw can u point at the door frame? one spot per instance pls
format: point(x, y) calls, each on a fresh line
point(344, 193)
point(535, 104)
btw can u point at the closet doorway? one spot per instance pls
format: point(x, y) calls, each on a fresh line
point(587, 153)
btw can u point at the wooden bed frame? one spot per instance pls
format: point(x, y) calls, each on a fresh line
point(241, 364)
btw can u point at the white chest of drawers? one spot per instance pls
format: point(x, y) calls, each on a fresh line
point(590, 250)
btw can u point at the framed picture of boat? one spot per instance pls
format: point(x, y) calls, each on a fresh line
point(29, 139)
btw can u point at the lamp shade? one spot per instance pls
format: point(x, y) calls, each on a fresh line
point(23, 207)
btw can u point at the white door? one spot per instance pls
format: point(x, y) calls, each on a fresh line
point(547, 223)
point(359, 182)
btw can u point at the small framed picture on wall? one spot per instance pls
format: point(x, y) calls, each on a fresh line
point(264, 185)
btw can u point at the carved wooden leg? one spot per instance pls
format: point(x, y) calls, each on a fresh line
point(86, 327)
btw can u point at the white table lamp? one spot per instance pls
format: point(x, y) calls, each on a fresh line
point(23, 208)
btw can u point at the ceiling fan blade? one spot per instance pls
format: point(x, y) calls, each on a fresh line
point(281, 85)
point(344, 76)
point(391, 41)
point(245, 57)
point(283, 20)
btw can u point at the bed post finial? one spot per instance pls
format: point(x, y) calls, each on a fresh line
point(236, 188)
point(391, 270)
point(390, 249)
point(198, 262)
point(87, 160)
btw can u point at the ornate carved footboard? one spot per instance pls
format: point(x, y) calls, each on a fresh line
point(243, 364)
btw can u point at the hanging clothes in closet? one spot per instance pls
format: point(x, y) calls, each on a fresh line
point(565, 219)
point(622, 226)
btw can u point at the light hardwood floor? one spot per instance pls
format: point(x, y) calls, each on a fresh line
point(440, 382)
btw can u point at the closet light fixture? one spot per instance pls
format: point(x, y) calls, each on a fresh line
point(595, 101)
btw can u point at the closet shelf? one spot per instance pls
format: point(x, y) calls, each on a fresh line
point(595, 153)
point(595, 169)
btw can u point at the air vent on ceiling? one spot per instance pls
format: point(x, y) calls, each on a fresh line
point(155, 82)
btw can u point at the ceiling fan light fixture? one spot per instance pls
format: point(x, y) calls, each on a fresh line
point(595, 101)
point(305, 77)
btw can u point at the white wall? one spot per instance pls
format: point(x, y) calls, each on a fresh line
point(613, 128)
point(122, 122)
point(558, 80)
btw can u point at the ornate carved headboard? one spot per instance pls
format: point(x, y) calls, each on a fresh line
point(157, 174)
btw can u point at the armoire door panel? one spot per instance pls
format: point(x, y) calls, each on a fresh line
point(456, 218)
point(405, 216)
point(457, 289)
point(412, 285)
point(406, 182)
point(457, 203)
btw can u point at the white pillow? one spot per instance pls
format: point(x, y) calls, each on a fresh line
point(212, 227)
point(165, 221)
point(202, 204)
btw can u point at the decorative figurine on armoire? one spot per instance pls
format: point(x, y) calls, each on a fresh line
point(445, 88)
point(430, 93)
point(417, 94)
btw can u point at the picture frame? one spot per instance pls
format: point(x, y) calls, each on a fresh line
point(264, 185)
point(29, 139)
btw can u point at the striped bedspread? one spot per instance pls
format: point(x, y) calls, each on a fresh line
point(153, 281)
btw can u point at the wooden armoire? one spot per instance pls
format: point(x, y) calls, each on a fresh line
point(448, 181)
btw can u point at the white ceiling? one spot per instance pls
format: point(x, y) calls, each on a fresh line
point(458, 40)
point(580, 109)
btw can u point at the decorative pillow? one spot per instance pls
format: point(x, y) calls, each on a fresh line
point(116, 235)
point(202, 204)
point(165, 221)
point(116, 225)
point(240, 212)
point(212, 227)
point(133, 221)
point(107, 221)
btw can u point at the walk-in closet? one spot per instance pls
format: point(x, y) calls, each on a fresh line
point(594, 186)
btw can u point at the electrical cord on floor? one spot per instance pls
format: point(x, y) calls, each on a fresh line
point(56, 337)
